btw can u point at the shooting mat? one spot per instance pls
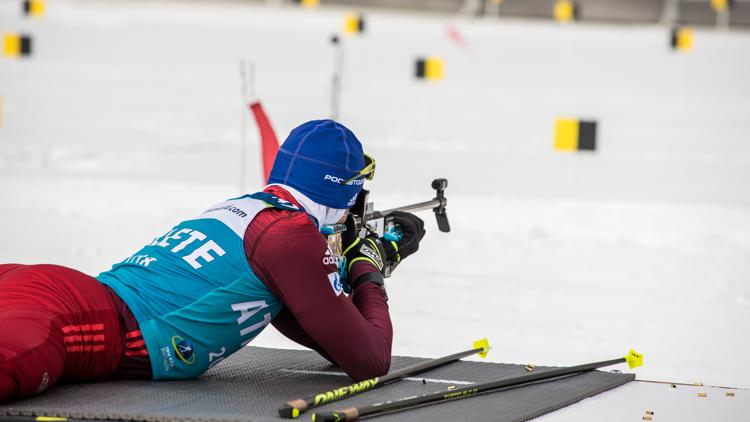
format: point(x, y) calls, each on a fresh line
point(252, 383)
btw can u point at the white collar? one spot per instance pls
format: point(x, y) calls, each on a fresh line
point(323, 214)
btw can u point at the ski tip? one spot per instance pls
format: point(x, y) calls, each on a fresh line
point(328, 416)
point(484, 345)
point(634, 359)
point(289, 410)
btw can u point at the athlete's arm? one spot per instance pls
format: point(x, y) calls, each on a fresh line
point(289, 255)
point(289, 327)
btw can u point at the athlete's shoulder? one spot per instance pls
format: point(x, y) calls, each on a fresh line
point(282, 224)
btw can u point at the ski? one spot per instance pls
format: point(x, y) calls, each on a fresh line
point(293, 408)
point(19, 418)
point(633, 360)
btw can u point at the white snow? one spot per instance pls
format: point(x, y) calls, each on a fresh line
point(632, 401)
point(127, 120)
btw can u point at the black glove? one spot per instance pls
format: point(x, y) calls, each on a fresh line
point(380, 252)
point(370, 249)
point(412, 232)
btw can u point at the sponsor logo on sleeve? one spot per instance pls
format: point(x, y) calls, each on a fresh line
point(335, 280)
point(329, 258)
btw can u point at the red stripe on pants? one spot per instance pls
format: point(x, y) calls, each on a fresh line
point(133, 334)
point(82, 328)
point(74, 339)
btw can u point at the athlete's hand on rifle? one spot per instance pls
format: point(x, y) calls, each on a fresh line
point(380, 252)
point(412, 231)
point(369, 250)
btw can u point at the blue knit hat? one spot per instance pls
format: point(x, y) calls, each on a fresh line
point(316, 158)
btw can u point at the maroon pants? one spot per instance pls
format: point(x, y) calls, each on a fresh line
point(60, 325)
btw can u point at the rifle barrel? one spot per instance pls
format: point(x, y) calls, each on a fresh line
point(427, 205)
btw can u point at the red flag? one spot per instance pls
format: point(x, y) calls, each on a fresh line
point(455, 35)
point(269, 145)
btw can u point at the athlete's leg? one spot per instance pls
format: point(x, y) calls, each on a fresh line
point(30, 358)
point(58, 325)
point(4, 268)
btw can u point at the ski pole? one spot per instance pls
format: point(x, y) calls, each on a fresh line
point(15, 418)
point(633, 359)
point(293, 408)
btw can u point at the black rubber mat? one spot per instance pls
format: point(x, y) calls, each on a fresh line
point(252, 383)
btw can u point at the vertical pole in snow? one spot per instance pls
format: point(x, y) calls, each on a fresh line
point(268, 142)
point(722, 19)
point(338, 68)
point(482, 8)
point(670, 13)
point(243, 126)
point(247, 74)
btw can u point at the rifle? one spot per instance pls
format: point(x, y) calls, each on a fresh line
point(381, 222)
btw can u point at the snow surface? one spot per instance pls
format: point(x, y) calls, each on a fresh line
point(665, 402)
point(128, 119)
